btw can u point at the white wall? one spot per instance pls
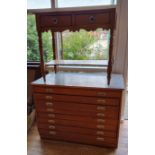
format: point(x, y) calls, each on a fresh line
point(121, 40)
point(121, 45)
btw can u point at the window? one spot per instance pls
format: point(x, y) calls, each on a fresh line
point(78, 3)
point(32, 42)
point(86, 45)
point(38, 4)
point(82, 45)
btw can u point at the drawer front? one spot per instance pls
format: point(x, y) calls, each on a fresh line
point(69, 129)
point(76, 99)
point(98, 140)
point(78, 91)
point(106, 114)
point(54, 21)
point(88, 19)
point(86, 119)
point(93, 125)
point(75, 106)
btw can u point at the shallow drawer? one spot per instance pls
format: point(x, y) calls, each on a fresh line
point(54, 21)
point(47, 128)
point(76, 99)
point(78, 109)
point(87, 139)
point(78, 91)
point(75, 106)
point(92, 125)
point(105, 114)
point(87, 119)
point(87, 19)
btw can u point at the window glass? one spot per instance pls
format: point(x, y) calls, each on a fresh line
point(86, 45)
point(32, 42)
point(47, 46)
point(78, 3)
point(38, 4)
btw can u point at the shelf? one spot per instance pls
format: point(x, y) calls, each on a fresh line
point(99, 63)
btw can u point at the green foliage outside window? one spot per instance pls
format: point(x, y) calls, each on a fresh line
point(76, 45)
point(84, 45)
point(32, 39)
point(32, 42)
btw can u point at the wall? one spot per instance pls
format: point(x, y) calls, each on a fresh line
point(121, 45)
point(121, 40)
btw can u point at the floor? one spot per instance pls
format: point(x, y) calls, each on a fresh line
point(37, 147)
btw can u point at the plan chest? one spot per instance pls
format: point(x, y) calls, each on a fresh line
point(79, 108)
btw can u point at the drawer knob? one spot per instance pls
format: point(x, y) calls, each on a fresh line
point(100, 139)
point(100, 133)
point(100, 108)
point(55, 20)
point(102, 93)
point(49, 103)
point(51, 127)
point(51, 121)
point(101, 101)
point(52, 133)
point(48, 97)
point(92, 19)
point(49, 90)
point(100, 120)
point(100, 126)
point(100, 114)
point(51, 115)
point(50, 110)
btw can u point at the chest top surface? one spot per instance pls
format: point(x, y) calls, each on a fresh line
point(92, 80)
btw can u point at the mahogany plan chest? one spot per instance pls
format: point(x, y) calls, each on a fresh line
point(79, 107)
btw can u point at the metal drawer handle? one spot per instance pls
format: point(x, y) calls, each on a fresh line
point(100, 120)
point(51, 127)
point(51, 115)
point(55, 20)
point(102, 93)
point(100, 108)
point(50, 110)
point(49, 103)
point(92, 19)
point(100, 138)
point(51, 121)
point(100, 114)
point(101, 101)
point(100, 126)
point(52, 133)
point(48, 97)
point(100, 133)
point(49, 90)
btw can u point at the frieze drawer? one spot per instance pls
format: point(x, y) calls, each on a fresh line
point(54, 21)
point(87, 19)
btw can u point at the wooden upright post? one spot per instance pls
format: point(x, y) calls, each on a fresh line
point(109, 70)
point(41, 55)
point(54, 50)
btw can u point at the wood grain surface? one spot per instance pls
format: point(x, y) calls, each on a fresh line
point(36, 146)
